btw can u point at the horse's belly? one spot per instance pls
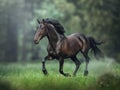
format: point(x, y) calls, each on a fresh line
point(70, 50)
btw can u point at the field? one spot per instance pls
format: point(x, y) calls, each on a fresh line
point(103, 75)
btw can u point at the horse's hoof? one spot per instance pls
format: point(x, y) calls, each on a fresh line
point(45, 71)
point(85, 73)
point(67, 75)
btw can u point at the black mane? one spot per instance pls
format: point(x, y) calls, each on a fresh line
point(59, 28)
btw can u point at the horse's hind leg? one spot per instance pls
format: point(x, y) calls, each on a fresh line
point(87, 62)
point(43, 65)
point(77, 63)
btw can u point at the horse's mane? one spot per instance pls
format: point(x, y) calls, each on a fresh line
point(58, 27)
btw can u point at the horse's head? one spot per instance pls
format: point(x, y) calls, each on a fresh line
point(41, 32)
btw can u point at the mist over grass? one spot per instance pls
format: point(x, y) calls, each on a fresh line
point(28, 76)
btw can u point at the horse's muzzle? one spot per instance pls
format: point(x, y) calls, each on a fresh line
point(36, 41)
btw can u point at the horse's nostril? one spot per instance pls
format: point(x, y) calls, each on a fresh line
point(36, 41)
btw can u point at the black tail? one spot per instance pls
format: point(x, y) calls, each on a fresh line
point(95, 49)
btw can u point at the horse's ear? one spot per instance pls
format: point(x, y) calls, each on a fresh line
point(38, 21)
point(43, 21)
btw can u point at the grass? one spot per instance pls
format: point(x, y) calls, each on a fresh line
point(28, 76)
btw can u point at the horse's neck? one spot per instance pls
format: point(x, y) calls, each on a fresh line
point(53, 37)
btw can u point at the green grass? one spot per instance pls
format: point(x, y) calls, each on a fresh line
point(28, 76)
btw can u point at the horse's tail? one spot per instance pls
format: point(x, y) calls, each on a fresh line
point(93, 45)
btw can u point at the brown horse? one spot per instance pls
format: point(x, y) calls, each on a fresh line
point(61, 47)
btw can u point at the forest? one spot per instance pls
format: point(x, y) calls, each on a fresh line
point(97, 18)
point(20, 58)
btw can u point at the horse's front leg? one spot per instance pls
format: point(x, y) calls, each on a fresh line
point(43, 65)
point(61, 62)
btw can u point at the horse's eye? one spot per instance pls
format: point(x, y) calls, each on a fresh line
point(40, 26)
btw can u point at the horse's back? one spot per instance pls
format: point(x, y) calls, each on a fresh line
point(81, 39)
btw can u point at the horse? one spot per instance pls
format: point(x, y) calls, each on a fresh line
point(61, 47)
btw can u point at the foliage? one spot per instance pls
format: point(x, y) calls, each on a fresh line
point(97, 18)
point(109, 81)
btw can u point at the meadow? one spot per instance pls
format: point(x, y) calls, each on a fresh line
point(103, 75)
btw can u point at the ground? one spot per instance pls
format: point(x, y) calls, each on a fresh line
point(103, 75)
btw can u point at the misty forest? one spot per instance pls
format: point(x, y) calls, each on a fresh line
point(20, 58)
